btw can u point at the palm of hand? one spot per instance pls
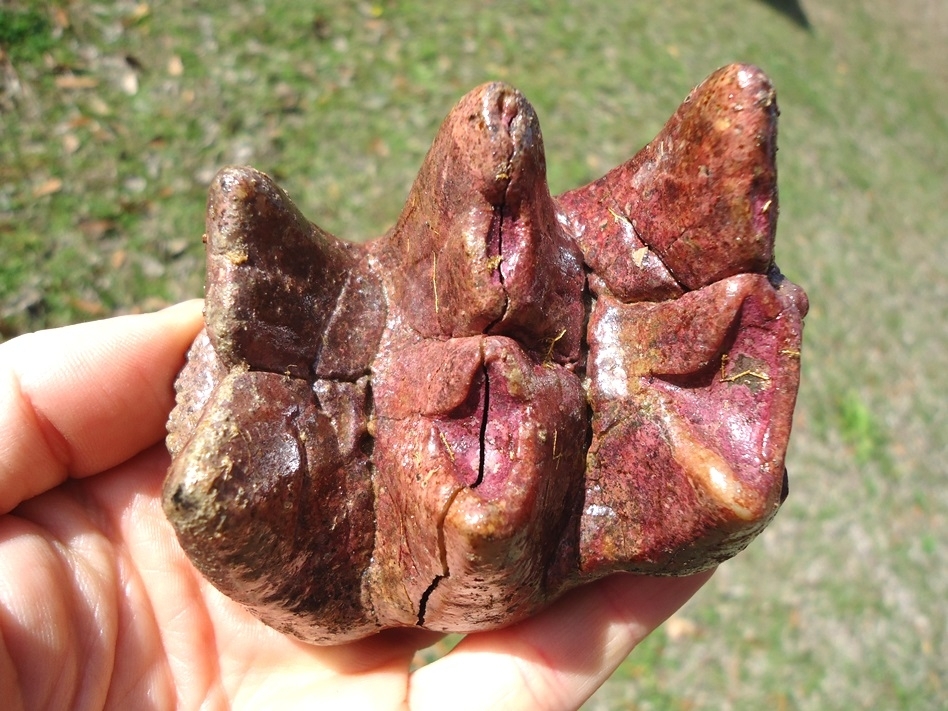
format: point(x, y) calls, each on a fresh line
point(102, 584)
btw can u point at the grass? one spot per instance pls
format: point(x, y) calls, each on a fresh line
point(116, 115)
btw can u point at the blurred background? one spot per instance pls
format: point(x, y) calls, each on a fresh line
point(114, 116)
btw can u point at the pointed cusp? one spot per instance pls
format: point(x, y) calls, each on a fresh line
point(701, 197)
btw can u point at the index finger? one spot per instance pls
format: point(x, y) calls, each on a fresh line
point(78, 400)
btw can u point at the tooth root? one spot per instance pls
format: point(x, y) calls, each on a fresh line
point(273, 278)
point(702, 196)
point(440, 257)
point(479, 247)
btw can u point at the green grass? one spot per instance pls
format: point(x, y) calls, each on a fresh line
point(107, 149)
point(24, 34)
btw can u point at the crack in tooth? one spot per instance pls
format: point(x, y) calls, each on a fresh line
point(443, 556)
point(498, 221)
point(423, 603)
point(442, 546)
point(482, 454)
point(497, 218)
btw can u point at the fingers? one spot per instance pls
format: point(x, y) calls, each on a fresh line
point(557, 659)
point(77, 400)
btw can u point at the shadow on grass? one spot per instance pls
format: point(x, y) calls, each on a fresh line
point(792, 10)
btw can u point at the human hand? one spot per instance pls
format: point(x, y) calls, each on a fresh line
point(100, 608)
